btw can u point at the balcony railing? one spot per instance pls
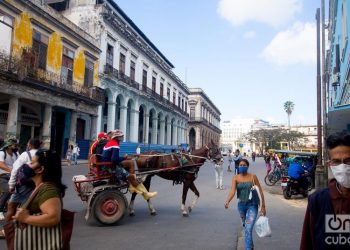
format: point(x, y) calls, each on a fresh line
point(112, 72)
point(23, 69)
point(204, 121)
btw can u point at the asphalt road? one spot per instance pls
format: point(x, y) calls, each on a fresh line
point(209, 226)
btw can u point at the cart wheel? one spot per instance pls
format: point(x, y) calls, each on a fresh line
point(109, 207)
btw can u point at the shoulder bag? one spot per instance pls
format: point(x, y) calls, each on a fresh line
point(254, 194)
point(29, 237)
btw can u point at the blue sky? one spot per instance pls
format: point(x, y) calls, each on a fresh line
point(249, 56)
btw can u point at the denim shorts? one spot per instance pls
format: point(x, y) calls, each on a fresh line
point(21, 194)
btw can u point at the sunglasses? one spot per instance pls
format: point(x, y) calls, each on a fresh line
point(336, 162)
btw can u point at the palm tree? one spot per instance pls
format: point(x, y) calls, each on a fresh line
point(288, 107)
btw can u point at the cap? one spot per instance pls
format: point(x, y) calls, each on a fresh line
point(102, 135)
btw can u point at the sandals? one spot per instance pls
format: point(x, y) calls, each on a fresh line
point(2, 234)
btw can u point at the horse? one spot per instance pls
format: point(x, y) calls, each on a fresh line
point(179, 168)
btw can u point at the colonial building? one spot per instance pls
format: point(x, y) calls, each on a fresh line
point(338, 67)
point(49, 84)
point(204, 123)
point(144, 98)
point(309, 140)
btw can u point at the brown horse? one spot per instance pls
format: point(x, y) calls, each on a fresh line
point(179, 168)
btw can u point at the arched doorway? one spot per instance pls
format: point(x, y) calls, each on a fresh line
point(192, 139)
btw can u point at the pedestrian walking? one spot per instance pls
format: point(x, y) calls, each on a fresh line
point(75, 154)
point(267, 158)
point(253, 156)
point(19, 187)
point(326, 222)
point(247, 206)
point(69, 154)
point(219, 173)
point(237, 159)
point(230, 160)
point(138, 150)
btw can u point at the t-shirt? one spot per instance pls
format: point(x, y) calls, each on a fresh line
point(47, 191)
point(8, 161)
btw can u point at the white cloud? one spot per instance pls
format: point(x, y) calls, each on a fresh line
point(292, 46)
point(272, 12)
point(249, 34)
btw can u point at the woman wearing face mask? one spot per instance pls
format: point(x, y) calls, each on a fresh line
point(45, 171)
point(247, 207)
point(331, 205)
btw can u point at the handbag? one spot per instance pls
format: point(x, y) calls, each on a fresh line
point(254, 194)
point(25, 236)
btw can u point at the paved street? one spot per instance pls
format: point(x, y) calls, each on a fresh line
point(209, 226)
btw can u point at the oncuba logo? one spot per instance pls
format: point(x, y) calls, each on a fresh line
point(336, 224)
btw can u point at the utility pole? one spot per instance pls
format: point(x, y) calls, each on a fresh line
point(319, 174)
point(324, 94)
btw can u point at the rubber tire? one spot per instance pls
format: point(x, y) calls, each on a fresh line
point(267, 180)
point(310, 183)
point(286, 194)
point(111, 196)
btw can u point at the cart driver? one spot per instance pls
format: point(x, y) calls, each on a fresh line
point(111, 154)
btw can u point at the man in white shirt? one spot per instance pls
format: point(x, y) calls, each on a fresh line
point(8, 155)
point(75, 154)
point(22, 192)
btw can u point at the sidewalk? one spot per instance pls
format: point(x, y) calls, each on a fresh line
point(80, 162)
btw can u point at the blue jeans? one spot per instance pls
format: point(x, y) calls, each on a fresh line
point(74, 159)
point(248, 211)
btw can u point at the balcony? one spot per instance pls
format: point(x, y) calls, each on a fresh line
point(205, 122)
point(25, 73)
point(114, 73)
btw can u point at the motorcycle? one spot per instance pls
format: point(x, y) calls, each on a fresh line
point(291, 186)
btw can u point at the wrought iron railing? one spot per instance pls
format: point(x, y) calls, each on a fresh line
point(24, 68)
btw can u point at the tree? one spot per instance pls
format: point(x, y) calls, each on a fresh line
point(288, 107)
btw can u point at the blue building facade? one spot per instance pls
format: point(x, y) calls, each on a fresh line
point(338, 66)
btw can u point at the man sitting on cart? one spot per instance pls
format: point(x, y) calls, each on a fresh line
point(111, 154)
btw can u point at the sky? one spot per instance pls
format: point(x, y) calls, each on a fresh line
point(249, 57)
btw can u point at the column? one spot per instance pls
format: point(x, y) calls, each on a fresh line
point(111, 116)
point(154, 130)
point(47, 126)
point(134, 125)
point(174, 134)
point(73, 127)
point(161, 131)
point(99, 127)
point(123, 117)
point(179, 139)
point(168, 133)
point(146, 128)
point(93, 131)
point(12, 117)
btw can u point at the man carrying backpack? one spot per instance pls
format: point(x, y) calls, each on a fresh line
point(8, 155)
point(18, 187)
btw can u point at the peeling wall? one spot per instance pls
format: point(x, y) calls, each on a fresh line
point(23, 39)
point(54, 53)
point(22, 34)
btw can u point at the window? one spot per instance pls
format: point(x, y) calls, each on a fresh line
point(185, 106)
point(109, 55)
point(161, 89)
point(144, 79)
point(89, 73)
point(174, 97)
point(67, 65)
point(182, 104)
point(6, 27)
point(122, 63)
point(40, 42)
point(154, 83)
point(168, 93)
point(178, 100)
point(132, 70)
point(192, 113)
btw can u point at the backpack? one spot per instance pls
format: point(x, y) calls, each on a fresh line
point(4, 150)
point(20, 176)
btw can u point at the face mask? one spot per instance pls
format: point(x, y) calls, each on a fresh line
point(243, 170)
point(28, 172)
point(341, 173)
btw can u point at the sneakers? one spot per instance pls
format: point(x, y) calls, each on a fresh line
point(221, 188)
point(229, 170)
point(2, 216)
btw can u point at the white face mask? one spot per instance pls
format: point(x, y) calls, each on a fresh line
point(341, 173)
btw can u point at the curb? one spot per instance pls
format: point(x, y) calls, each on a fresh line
point(240, 239)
